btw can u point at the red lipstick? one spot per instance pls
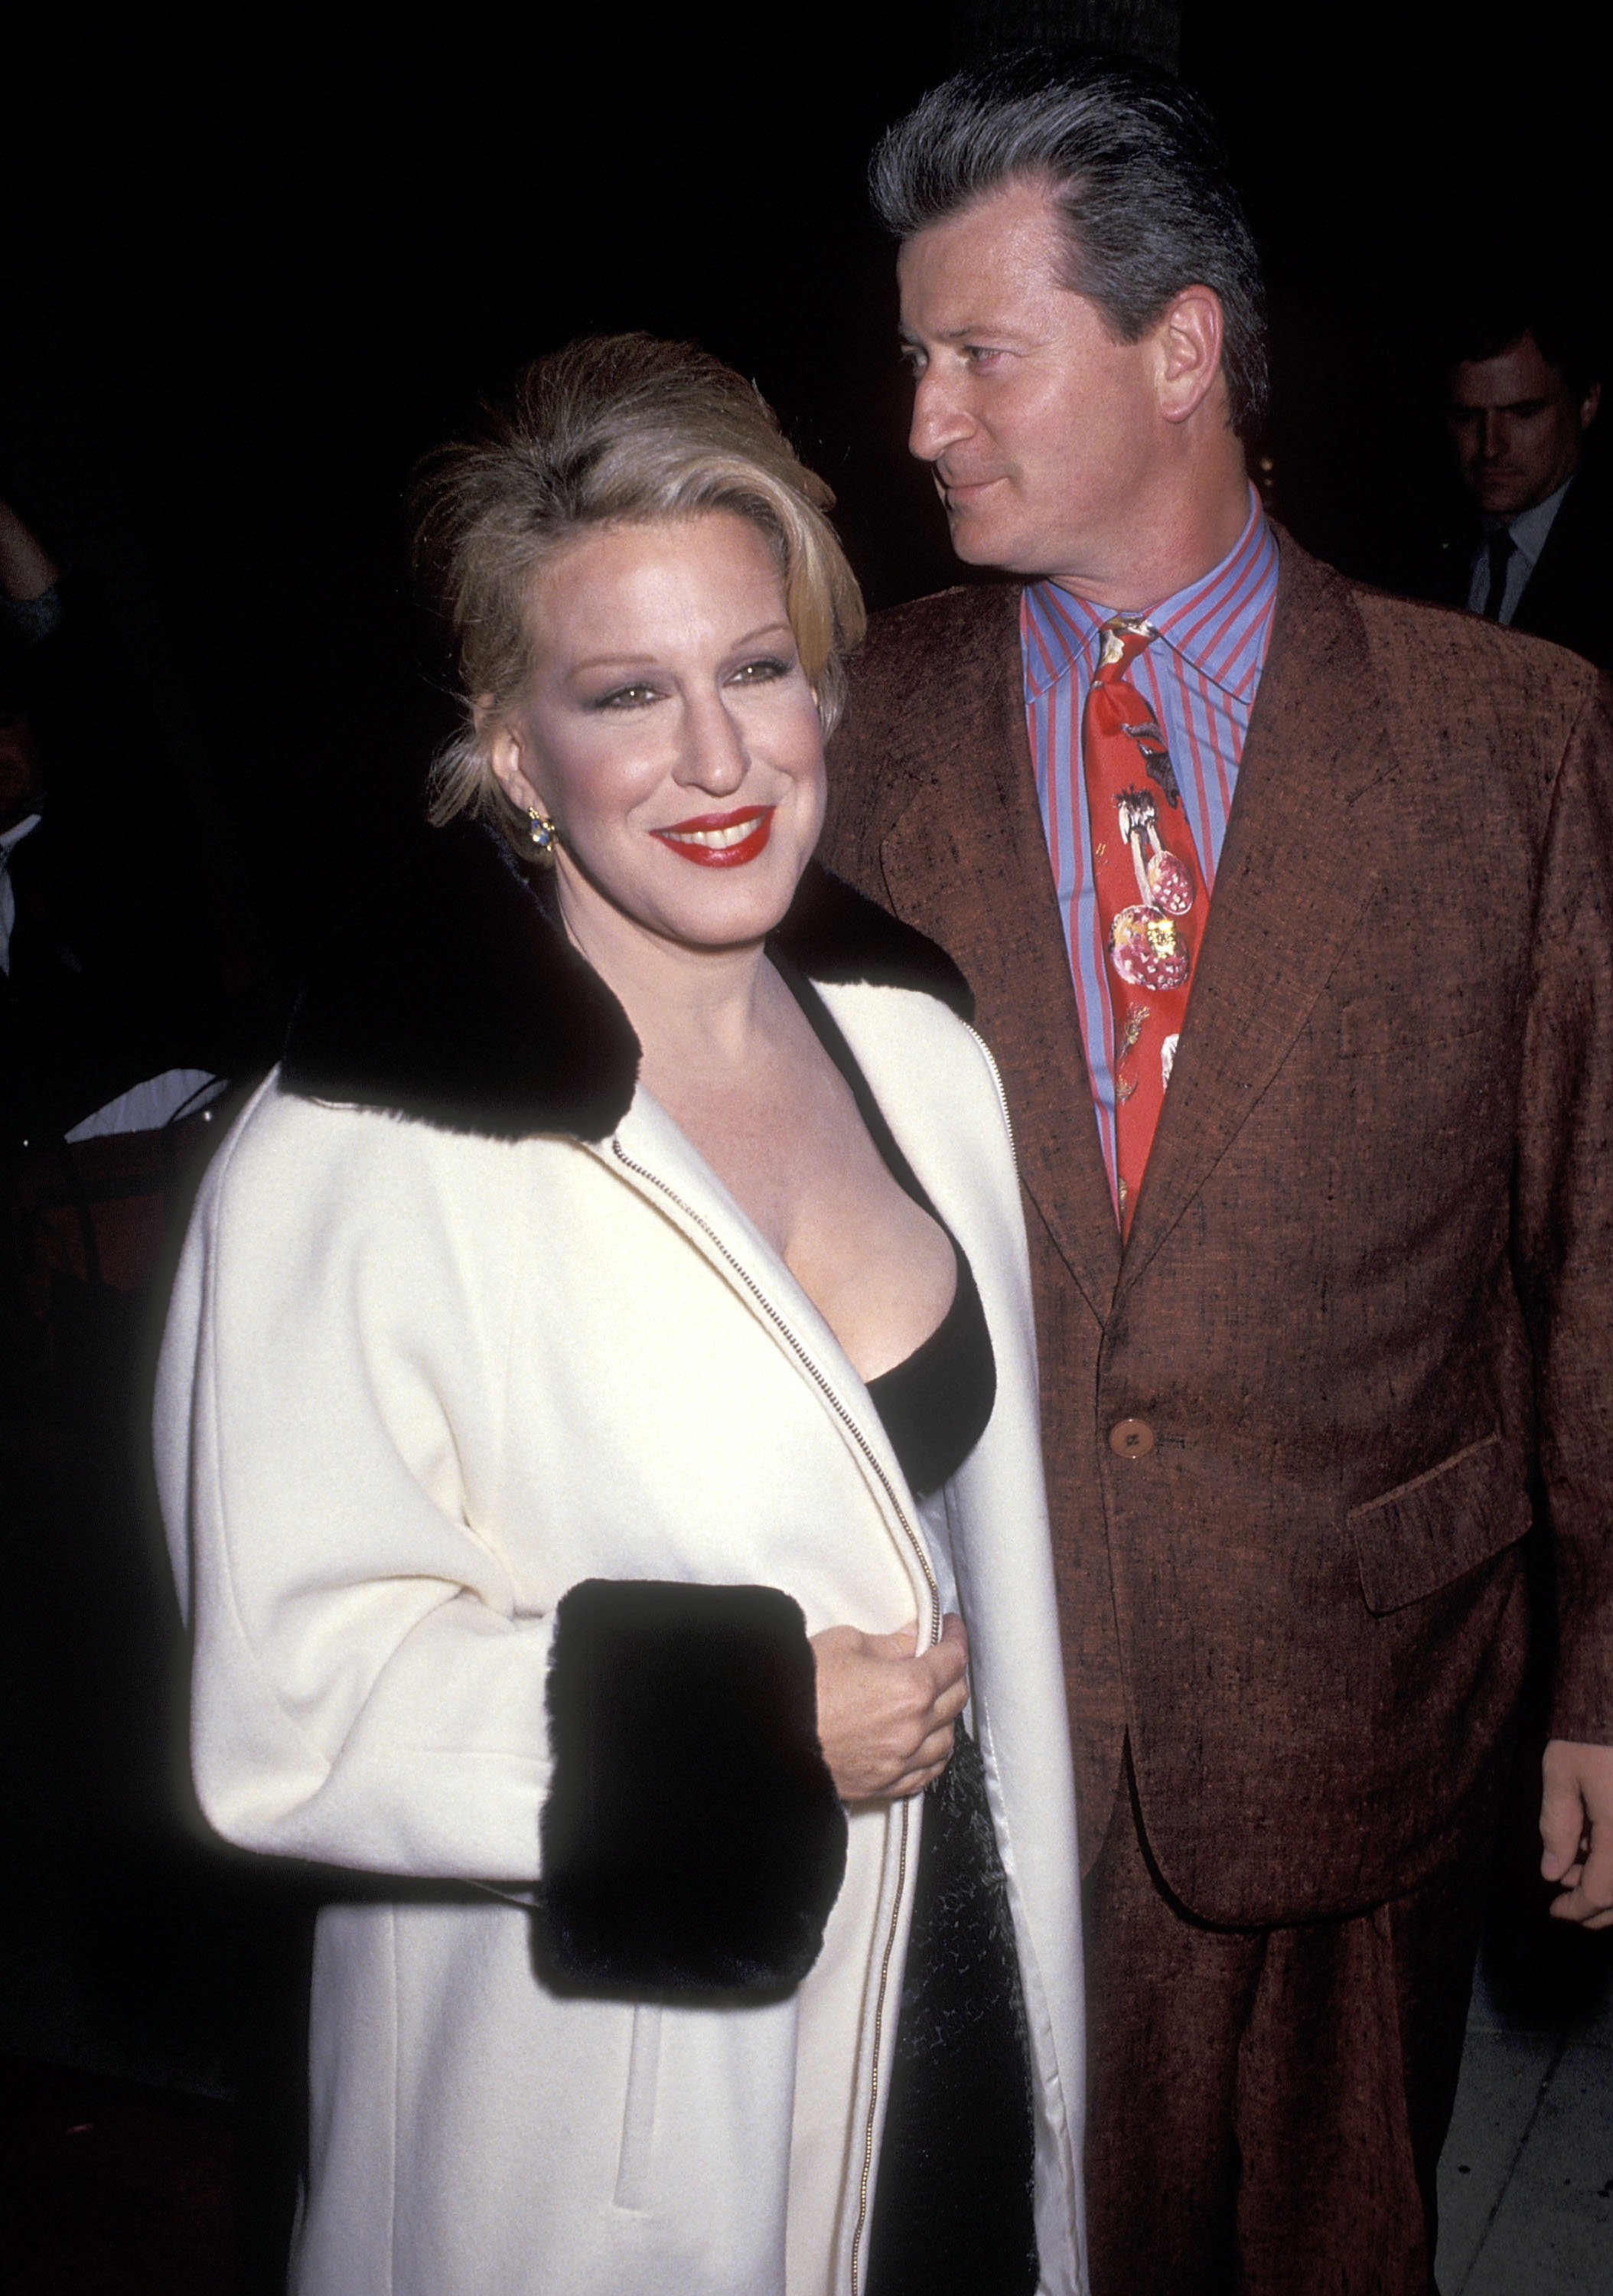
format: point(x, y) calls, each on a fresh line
point(720, 840)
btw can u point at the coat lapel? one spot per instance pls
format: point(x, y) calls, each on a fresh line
point(648, 1153)
point(1295, 873)
point(967, 861)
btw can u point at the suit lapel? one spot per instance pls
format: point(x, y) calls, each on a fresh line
point(967, 861)
point(1295, 873)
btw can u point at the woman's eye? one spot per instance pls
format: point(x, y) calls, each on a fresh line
point(625, 697)
point(763, 668)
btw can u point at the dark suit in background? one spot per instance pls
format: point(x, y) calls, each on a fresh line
point(1568, 598)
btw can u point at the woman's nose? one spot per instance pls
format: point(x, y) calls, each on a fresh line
point(714, 757)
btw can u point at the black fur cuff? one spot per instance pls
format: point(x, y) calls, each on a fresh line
point(693, 1838)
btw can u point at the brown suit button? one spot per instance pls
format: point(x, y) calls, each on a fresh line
point(1132, 1439)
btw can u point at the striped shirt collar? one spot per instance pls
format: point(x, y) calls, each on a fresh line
point(1208, 624)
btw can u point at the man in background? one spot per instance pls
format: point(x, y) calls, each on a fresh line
point(1286, 908)
point(125, 998)
point(1522, 393)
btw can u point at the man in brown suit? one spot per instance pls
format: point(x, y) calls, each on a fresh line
point(1355, 1339)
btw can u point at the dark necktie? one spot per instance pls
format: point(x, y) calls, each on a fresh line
point(1502, 546)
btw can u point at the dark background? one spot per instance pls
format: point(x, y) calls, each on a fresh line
point(249, 279)
point(248, 276)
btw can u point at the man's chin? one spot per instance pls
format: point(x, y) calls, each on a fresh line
point(1508, 498)
point(1005, 551)
point(976, 541)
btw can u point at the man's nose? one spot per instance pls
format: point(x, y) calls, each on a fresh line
point(939, 418)
point(714, 756)
point(1492, 434)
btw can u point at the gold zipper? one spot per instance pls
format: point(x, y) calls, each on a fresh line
point(874, 2086)
point(855, 1432)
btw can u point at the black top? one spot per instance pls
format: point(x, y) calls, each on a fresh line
point(934, 1404)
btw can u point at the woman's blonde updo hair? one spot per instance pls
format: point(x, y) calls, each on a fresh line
point(614, 429)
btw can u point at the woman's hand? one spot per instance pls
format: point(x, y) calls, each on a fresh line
point(886, 1708)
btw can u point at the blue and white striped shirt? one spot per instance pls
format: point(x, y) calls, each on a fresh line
point(1201, 677)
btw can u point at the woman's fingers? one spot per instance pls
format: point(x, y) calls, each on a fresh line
point(886, 1712)
point(949, 1703)
point(927, 1765)
point(955, 1638)
point(935, 1751)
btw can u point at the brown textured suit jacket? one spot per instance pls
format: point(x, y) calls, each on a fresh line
point(1367, 1301)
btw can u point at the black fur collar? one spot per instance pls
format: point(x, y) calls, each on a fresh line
point(456, 999)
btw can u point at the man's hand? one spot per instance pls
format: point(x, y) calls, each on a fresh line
point(1577, 1827)
point(885, 1715)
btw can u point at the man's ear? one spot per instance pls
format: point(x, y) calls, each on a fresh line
point(1588, 405)
point(1189, 340)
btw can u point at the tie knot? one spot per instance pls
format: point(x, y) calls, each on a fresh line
point(1123, 640)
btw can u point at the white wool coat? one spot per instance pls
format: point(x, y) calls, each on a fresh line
point(418, 1381)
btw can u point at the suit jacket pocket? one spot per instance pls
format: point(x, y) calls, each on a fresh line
point(1419, 1537)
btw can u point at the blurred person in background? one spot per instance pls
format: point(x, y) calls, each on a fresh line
point(120, 987)
point(1523, 389)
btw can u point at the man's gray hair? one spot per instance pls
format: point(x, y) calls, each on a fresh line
point(1138, 174)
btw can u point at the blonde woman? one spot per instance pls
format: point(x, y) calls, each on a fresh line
point(598, 1440)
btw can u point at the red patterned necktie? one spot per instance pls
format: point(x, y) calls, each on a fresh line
point(1151, 894)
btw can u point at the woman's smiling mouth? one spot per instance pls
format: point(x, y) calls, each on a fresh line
point(720, 840)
